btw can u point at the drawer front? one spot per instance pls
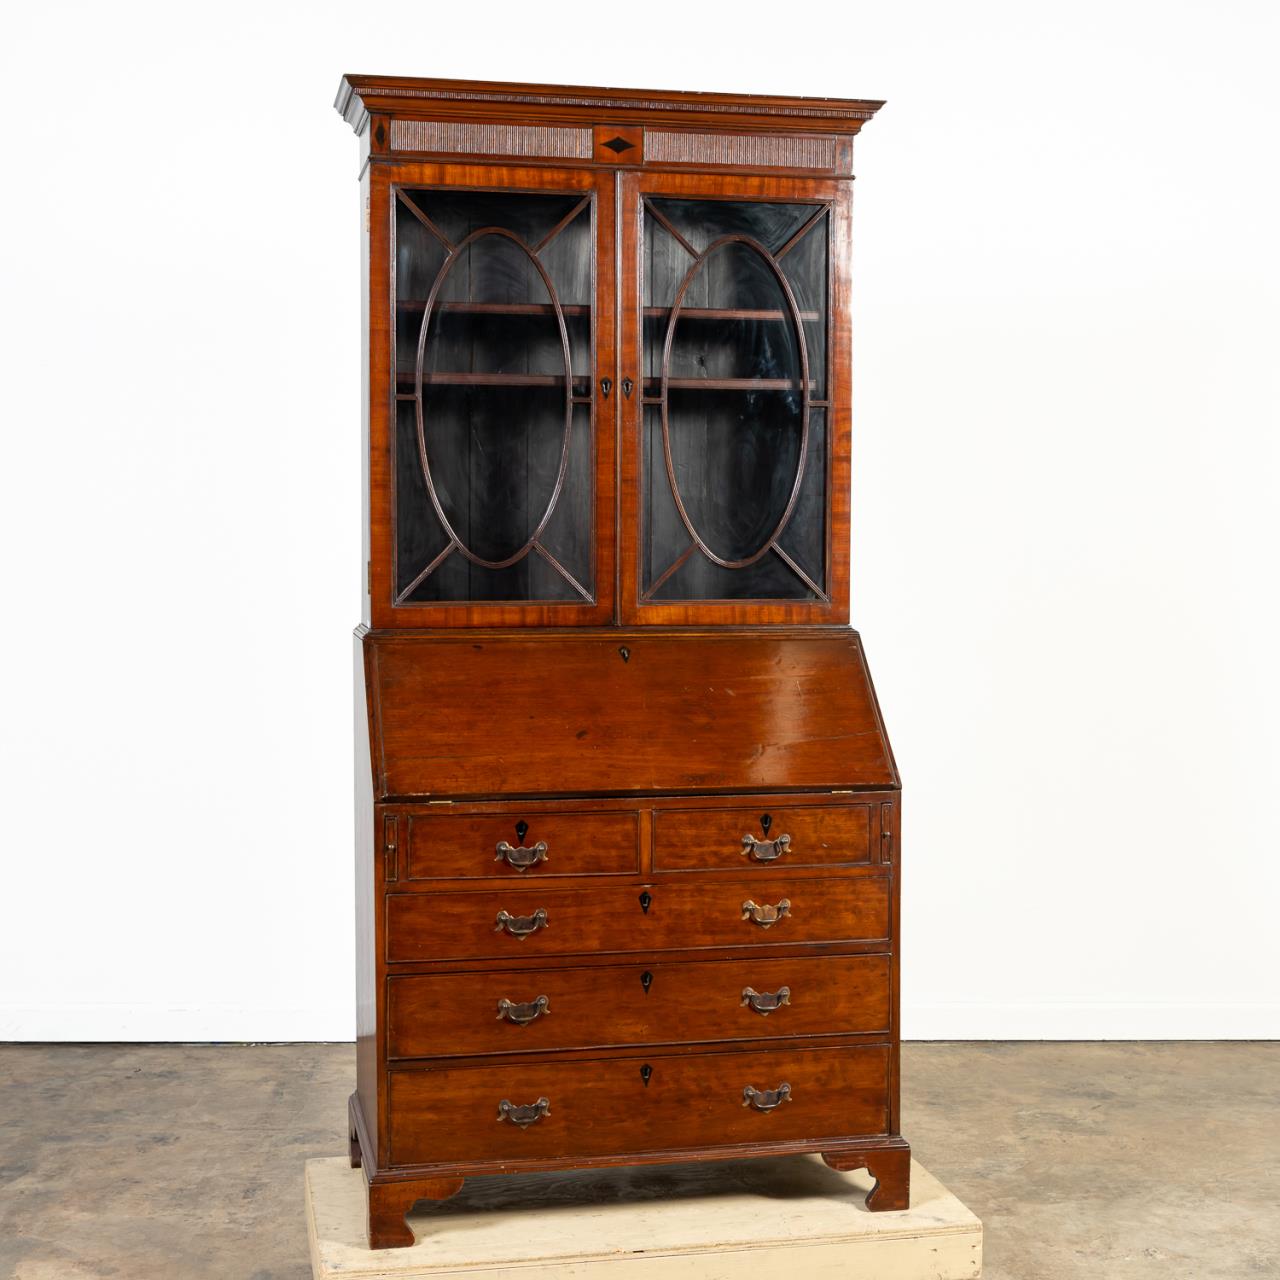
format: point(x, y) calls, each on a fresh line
point(762, 836)
point(690, 914)
point(513, 846)
point(511, 1011)
point(614, 1107)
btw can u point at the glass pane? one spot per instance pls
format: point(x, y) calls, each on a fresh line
point(735, 429)
point(494, 443)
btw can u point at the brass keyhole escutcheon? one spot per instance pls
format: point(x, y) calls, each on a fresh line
point(522, 830)
point(646, 901)
point(646, 981)
point(645, 1072)
point(624, 653)
point(766, 821)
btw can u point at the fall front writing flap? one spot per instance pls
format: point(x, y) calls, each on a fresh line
point(622, 712)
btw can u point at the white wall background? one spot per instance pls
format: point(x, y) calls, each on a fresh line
point(1066, 528)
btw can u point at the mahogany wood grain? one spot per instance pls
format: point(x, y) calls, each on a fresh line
point(689, 914)
point(607, 1107)
point(890, 1165)
point(359, 96)
point(816, 835)
point(640, 740)
point(540, 713)
point(370, 990)
point(645, 1004)
point(380, 391)
point(444, 845)
point(633, 610)
point(390, 1201)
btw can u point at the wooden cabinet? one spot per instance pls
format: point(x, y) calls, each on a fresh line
point(627, 856)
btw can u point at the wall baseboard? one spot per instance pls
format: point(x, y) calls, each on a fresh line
point(89, 1023)
point(1046, 1020)
point(145, 1023)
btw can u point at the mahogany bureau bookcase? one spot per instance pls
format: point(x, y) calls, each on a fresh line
point(627, 847)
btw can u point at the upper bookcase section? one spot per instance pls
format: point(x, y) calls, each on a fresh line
point(403, 117)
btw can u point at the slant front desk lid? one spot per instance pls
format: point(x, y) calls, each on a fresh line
point(617, 713)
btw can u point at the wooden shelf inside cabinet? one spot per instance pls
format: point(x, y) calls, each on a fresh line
point(494, 308)
point(460, 379)
point(653, 386)
point(578, 309)
point(726, 313)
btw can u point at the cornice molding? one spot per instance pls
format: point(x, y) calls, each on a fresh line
point(406, 97)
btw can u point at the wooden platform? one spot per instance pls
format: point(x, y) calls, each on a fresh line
point(790, 1218)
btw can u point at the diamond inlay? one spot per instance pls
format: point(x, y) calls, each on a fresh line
point(618, 145)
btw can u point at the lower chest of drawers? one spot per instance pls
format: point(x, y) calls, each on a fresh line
point(563, 982)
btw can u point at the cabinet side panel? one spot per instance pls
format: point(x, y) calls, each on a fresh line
point(366, 506)
point(366, 941)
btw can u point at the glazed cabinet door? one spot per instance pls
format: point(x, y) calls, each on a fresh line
point(736, 439)
point(499, 412)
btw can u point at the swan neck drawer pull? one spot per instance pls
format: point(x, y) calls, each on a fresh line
point(523, 1014)
point(766, 1099)
point(764, 914)
point(526, 1115)
point(520, 926)
point(521, 859)
point(765, 1003)
point(765, 850)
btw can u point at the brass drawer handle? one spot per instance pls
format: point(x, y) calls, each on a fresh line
point(765, 850)
point(521, 926)
point(526, 1115)
point(523, 1014)
point(764, 1003)
point(765, 915)
point(766, 1099)
point(521, 859)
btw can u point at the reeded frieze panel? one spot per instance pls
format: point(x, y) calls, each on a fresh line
point(447, 137)
point(748, 150)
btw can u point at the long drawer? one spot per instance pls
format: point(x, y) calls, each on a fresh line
point(513, 1011)
point(619, 1106)
point(691, 914)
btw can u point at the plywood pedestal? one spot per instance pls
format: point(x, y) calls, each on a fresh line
point(785, 1218)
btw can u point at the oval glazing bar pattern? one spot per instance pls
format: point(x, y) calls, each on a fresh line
point(699, 262)
point(482, 369)
point(735, 330)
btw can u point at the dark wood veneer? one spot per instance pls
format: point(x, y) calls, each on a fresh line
point(688, 914)
point(627, 827)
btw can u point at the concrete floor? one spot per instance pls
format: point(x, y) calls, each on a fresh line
point(1105, 1161)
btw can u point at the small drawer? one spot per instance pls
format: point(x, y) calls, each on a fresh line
point(762, 836)
point(549, 1109)
point(680, 914)
point(514, 1011)
point(512, 845)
